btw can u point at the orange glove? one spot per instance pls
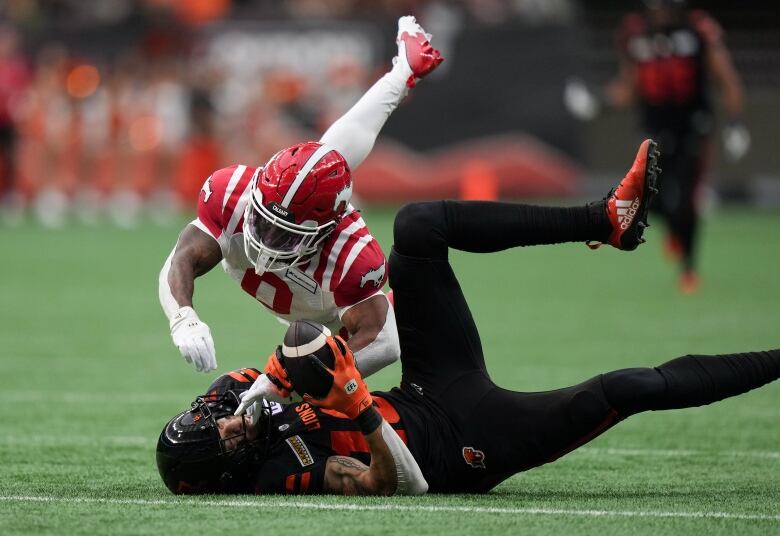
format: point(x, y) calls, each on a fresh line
point(275, 372)
point(349, 394)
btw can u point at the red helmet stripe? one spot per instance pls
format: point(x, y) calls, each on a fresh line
point(321, 151)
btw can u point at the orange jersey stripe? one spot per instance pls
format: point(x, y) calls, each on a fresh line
point(305, 478)
point(346, 442)
point(387, 410)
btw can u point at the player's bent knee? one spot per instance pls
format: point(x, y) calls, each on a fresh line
point(587, 409)
point(418, 230)
point(633, 390)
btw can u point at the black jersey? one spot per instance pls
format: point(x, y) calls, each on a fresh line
point(436, 428)
point(671, 71)
point(303, 437)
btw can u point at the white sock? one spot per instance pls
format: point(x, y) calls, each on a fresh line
point(354, 133)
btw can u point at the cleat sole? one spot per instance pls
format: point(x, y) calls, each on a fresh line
point(650, 190)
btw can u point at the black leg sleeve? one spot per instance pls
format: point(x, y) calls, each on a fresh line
point(427, 230)
point(689, 381)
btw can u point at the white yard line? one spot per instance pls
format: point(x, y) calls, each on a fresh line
point(39, 440)
point(614, 451)
point(312, 505)
point(75, 397)
point(675, 453)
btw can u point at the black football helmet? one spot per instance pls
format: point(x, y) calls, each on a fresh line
point(192, 457)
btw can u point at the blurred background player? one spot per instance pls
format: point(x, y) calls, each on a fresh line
point(288, 235)
point(670, 59)
point(14, 78)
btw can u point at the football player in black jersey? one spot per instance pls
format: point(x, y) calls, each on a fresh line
point(448, 428)
point(670, 60)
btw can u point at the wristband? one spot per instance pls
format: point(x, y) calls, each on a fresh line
point(369, 420)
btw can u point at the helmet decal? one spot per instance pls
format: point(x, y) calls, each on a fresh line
point(343, 196)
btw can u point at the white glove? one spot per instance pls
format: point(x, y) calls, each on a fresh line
point(736, 141)
point(580, 100)
point(252, 398)
point(254, 412)
point(193, 339)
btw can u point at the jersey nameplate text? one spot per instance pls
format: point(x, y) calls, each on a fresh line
point(302, 279)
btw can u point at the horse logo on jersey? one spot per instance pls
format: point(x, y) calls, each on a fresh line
point(375, 276)
point(207, 190)
point(475, 458)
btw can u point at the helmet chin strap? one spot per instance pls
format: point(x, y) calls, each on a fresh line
point(261, 263)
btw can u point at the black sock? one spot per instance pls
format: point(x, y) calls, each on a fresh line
point(483, 226)
point(689, 381)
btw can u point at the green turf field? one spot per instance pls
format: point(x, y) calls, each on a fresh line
point(88, 376)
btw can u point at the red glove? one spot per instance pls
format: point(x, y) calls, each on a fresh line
point(349, 394)
point(275, 372)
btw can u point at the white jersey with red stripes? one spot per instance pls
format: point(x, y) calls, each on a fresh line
point(350, 267)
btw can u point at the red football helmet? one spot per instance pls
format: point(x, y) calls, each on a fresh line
point(295, 202)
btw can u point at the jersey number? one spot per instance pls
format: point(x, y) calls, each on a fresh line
point(282, 295)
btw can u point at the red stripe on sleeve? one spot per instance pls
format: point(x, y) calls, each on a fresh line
point(342, 258)
point(230, 205)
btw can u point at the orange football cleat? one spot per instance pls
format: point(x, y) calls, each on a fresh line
point(689, 282)
point(628, 203)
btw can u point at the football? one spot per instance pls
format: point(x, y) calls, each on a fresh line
point(305, 355)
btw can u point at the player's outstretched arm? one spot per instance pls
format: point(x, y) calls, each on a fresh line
point(195, 254)
point(736, 137)
point(354, 134)
point(373, 334)
point(348, 476)
point(585, 103)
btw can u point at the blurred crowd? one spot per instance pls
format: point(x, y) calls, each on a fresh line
point(120, 109)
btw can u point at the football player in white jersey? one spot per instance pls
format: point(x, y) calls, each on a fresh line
point(286, 232)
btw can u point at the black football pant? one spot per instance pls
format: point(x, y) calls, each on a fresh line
point(683, 162)
point(494, 432)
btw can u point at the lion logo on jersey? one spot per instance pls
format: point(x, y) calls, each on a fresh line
point(375, 276)
point(475, 458)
